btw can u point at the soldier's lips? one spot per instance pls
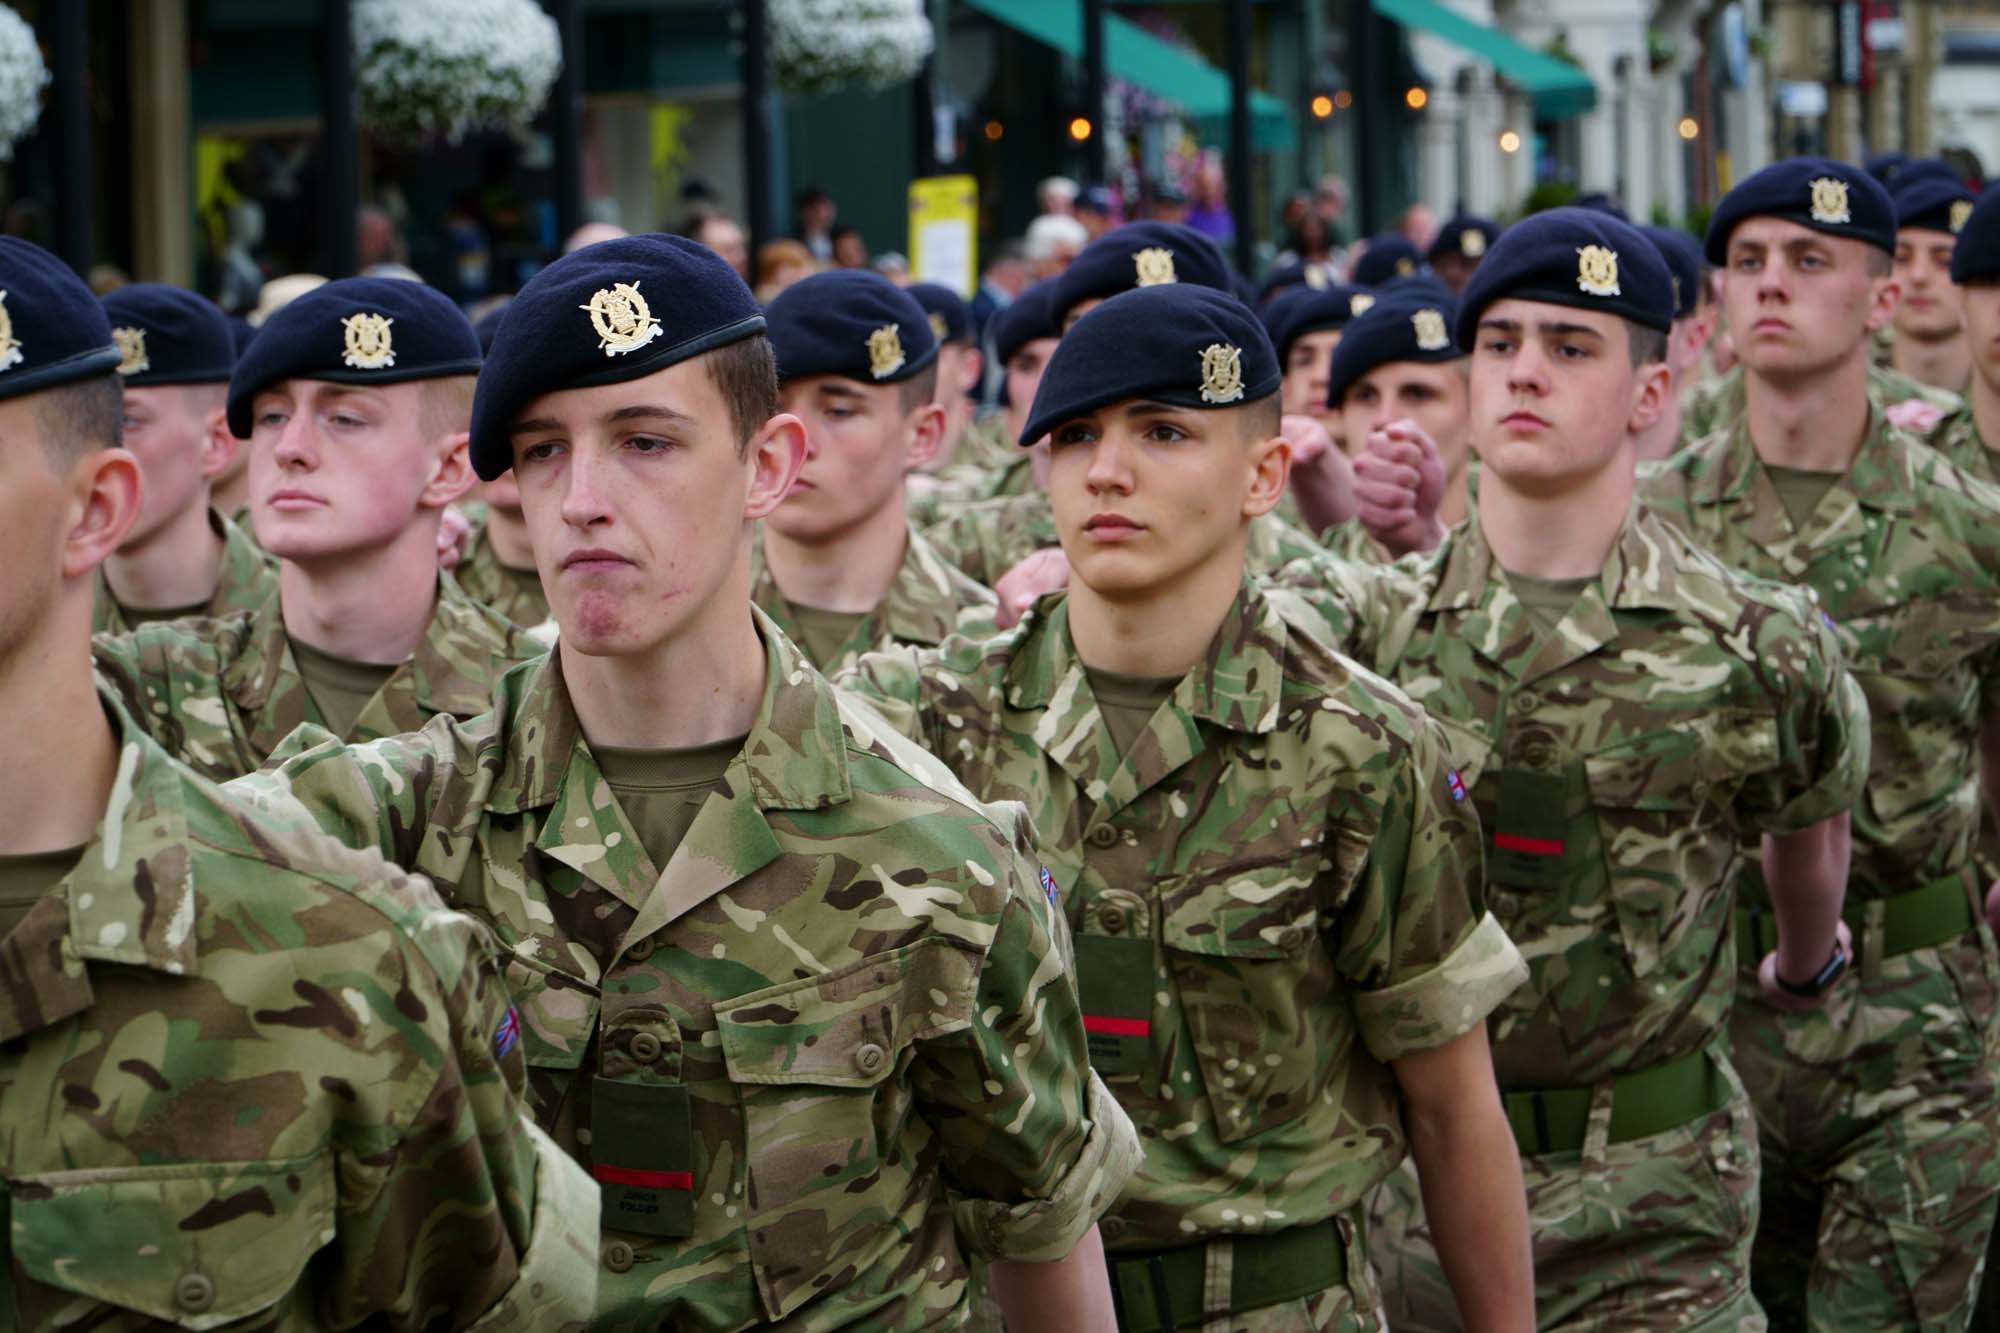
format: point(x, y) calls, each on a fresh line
point(1770, 326)
point(293, 501)
point(1523, 421)
point(594, 561)
point(1112, 527)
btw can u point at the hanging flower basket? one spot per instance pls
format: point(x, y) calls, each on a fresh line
point(448, 66)
point(23, 75)
point(818, 46)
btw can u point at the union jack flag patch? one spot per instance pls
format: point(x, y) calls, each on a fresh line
point(1049, 887)
point(507, 1034)
point(1456, 784)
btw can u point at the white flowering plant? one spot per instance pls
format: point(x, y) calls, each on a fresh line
point(449, 66)
point(23, 75)
point(819, 46)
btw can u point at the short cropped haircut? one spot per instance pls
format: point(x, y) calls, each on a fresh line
point(918, 389)
point(1647, 344)
point(80, 418)
point(1880, 262)
point(745, 373)
point(447, 405)
point(1262, 418)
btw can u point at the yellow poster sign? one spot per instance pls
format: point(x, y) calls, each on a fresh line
point(944, 232)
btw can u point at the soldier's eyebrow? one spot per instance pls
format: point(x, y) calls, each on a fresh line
point(636, 412)
point(840, 389)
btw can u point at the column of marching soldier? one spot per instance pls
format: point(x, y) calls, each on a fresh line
point(1259, 868)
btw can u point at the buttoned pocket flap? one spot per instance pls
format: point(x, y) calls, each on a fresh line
point(197, 1246)
point(846, 1029)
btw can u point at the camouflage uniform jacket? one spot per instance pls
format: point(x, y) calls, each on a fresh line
point(485, 581)
point(1904, 554)
point(1716, 404)
point(1274, 895)
point(928, 602)
point(987, 539)
point(219, 695)
point(247, 575)
point(1678, 710)
point(1957, 438)
point(837, 1022)
point(247, 1074)
point(989, 465)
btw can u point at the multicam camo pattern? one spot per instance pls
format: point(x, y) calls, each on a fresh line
point(516, 595)
point(1282, 849)
point(988, 465)
point(1716, 404)
point(927, 603)
point(987, 539)
point(1883, 1105)
point(1687, 708)
point(247, 576)
point(249, 1075)
point(849, 968)
point(1653, 1234)
point(1957, 438)
point(219, 695)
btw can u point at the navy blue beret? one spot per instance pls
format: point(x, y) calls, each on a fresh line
point(1387, 257)
point(1140, 254)
point(1931, 203)
point(241, 331)
point(1178, 344)
point(1977, 254)
point(1683, 255)
point(1572, 257)
point(1028, 317)
point(1923, 169)
point(850, 322)
point(614, 311)
point(1423, 285)
point(1466, 235)
point(1316, 275)
point(1296, 313)
point(1599, 201)
point(950, 320)
point(487, 327)
point(168, 335)
point(355, 331)
point(1392, 330)
point(1815, 192)
point(1884, 166)
point(52, 329)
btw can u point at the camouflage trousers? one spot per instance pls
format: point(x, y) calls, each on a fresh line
point(1880, 1125)
point(1650, 1234)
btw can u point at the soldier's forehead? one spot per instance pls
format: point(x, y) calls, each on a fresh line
point(684, 389)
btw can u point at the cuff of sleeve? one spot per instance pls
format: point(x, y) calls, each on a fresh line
point(1047, 1229)
point(556, 1286)
point(1446, 1002)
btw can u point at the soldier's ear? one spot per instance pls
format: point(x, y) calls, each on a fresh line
point(451, 472)
point(104, 496)
point(926, 436)
point(1883, 297)
point(219, 447)
point(1652, 387)
point(1270, 464)
point(775, 454)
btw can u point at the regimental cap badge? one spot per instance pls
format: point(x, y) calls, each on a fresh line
point(939, 326)
point(885, 351)
point(1829, 201)
point(1316, 277)
point(1961, 212)
point(10, 346)
point(1428, 325)
point(1405, 267)
point(1221, 373)
point(1358, 304)
point(622, 318)
point(369, 345)
point(1154, 265)
point(132, 350)
point(1472, 243)
point(1597, 270)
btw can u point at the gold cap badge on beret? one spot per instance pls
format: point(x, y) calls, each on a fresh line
point(369, 346)
point(885, 351)
point(1154, 266)
point(1472, 243)
point(1358, 303)
point(132, 347)
point(939, 326)
point(622, 318)
point(1316, 277)
point(1961, 213)
point(1221, 373)
point(1829, 201)
point(1428, 324)
point(1405, 267)
point(1597, 270)
point(10, 346)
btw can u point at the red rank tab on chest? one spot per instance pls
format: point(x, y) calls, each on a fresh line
point(1514, 842)
point(651, 1180)
point(1117, 1027)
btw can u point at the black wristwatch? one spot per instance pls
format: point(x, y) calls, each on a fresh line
point(1822, 980)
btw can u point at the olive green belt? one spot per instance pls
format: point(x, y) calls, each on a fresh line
point(1650, 1102)
point(1165, 1290)
point(1938, 912)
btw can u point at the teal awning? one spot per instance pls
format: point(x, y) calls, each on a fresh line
point(1559, 89)
point(1136, 56)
